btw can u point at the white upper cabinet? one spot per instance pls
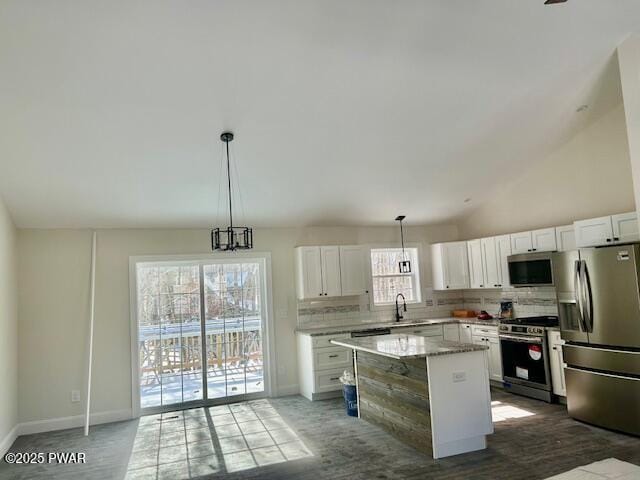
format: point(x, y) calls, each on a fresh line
point(331, 285)
point(352, 270)
point(521, 242)
point(476, 272)
point(544, 240)
point(308, 272)
point(565, 238)
point(330, 271)
point(490, 263)
point(625, 227)
point(450, 266)
point(503, 250)
point(593, 231)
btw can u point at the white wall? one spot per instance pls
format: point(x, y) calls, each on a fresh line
point(589, 176)
point(53, 301)
point(8, 328)
point(629, 61)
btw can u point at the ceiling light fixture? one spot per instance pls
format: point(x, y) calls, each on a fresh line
point(582, 108)
point(553, 2)
point(232, 238)
point(404, 264)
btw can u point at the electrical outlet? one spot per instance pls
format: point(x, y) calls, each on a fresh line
point(75, 396)
point(459, 377)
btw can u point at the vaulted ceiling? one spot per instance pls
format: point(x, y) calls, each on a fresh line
point(344, 112)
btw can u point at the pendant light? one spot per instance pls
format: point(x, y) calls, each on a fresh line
point(405, 265)
point(231, 238)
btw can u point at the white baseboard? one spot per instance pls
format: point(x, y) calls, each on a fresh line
point(292, 389)
point(8, 440)
point(62, 423)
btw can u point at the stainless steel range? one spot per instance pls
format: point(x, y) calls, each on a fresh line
point(525, 355)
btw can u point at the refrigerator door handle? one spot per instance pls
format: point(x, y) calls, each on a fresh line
point(588, 297)
point(602, 374)
point(578, 295)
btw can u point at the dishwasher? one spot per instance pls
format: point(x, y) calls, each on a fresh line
point(371, 332)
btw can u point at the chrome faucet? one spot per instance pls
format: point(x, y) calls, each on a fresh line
point(398, 314)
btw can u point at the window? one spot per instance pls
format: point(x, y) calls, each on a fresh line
point(387, 279)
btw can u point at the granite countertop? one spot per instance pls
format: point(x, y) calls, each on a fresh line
point(348, 328)
point(399, 346)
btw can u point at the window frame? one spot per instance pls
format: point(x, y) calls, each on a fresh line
point(416, 273)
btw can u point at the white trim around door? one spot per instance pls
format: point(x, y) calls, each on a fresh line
point(264, 258)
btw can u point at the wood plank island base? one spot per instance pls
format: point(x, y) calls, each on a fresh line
point(431, 394)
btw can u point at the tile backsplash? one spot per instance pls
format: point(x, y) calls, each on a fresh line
point(527, 302)
point(354, 310)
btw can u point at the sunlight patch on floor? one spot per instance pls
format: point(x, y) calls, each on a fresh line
point(222, 439)
point(503, 411)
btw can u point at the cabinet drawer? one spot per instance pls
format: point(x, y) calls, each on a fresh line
point(428, 331)
point(482, 330)
point(324, 358)
point(325, 340)
point(329, 380)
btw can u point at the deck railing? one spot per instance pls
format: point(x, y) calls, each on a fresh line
point(232, 344)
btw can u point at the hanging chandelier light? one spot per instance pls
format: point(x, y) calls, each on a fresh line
point(231, 238)
point(404, 264)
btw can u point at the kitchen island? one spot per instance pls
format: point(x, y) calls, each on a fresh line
point(431, 394)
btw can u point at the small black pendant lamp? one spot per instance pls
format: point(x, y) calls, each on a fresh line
point(231, 238)
point(405, 265)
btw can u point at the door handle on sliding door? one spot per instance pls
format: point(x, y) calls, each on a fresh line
point(578, 295)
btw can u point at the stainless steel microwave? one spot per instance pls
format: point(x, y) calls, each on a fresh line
point(531, 270)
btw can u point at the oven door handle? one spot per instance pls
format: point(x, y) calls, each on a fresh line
point(521, 339)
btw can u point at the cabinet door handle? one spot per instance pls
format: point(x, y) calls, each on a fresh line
point(481, 286)
point(447, 286)
point(554, 348)
point(616, 238)
point(608, 239)
point(334, 378)
point(333, 356)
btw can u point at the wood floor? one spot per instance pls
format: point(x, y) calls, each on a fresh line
point(291, 437)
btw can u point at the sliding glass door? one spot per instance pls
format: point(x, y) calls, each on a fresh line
point(233, 328)
point(187, 308)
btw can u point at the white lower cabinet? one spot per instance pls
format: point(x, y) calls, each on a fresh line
point(465, 333)
point(320, 365)
point(556, 362)
point(488, 335)
point(451, 332)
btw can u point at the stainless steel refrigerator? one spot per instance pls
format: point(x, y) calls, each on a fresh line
point(599, 311)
